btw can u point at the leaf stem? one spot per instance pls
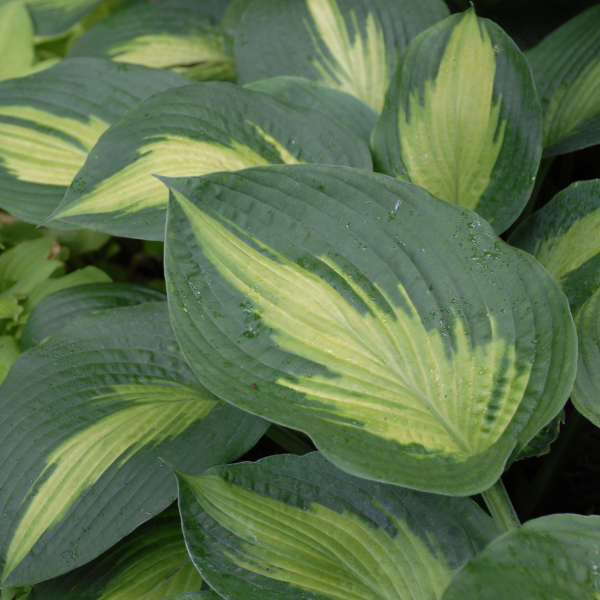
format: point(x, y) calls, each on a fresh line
point(500, 507)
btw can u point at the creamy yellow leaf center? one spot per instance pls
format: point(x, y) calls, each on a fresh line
point(354, 64)
point(152, 414)
point(337, 555)
point(451, 136)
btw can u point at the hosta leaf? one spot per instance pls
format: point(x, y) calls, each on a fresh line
point(563, 236)
point(174, 34)
point(566, 67)
point(548, 558)
point(348, 45)
point(398, 331)
point(197, 129)
point(51, 120)
point(462, 119)
point(85, 418)
point(16, 39)
point(586, 394)
point(9, 351)
point(150, 564)
point(298, 92)
point(59, 309)
point(298, 528)
point(25, 266)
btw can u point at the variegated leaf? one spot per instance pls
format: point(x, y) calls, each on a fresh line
point(58, 310)
point(49, 122)
point(552, 558)
point(16, 39)
point(586, 394)
point(409, 342)
point(150, 564)
point(563, 236)
point(177, 34)
point(298, 528)
point(462, 119)
point(349, 45)
point(194, 130)
point(9, 351)
point(301, 93)
point(566, 67)
point(85, 418)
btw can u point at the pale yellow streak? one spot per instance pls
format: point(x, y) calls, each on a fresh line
point(338, 555)
point(165, 50)
point(571, 249)
point(157, 573)
point(391, 376)
point(40, 157)
point(573, 104)
point(451, 138)
point(358, 66)
point(133, 188)
point(153, 414)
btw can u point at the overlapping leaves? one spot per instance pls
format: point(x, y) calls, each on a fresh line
point(345, 44)
point(408, 341)
point(552, 557)
point(152, 563)
point(566, 65)
point(179, 34)
point(298, 528)
point(563, 236)
point(85, 418)
point(49, 122)
point(197, 129)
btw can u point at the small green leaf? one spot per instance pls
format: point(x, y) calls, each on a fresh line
point(301, 93)
point(586, 394)
point(566, 67)
point(551, 558)
point(25, 266)
point(169, 34)
point(298, 528)
point(563, 236)
point(60, 308)
point(9, 351)
point(403, 336)
point(16, 39)
point(97, 406)
point(152, 563)
point(348, 45)
point(49, 122)
point(193, 130)
point(462, 120)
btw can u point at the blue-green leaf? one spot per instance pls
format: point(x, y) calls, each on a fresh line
point(349, 45)
point(566, 66)
point(89, 421)
point(298, 528)
point(49, 122)
point(403, 336)
point(194, 130)
point(551, 558)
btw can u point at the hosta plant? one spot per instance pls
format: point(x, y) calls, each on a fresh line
point(344, 300)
